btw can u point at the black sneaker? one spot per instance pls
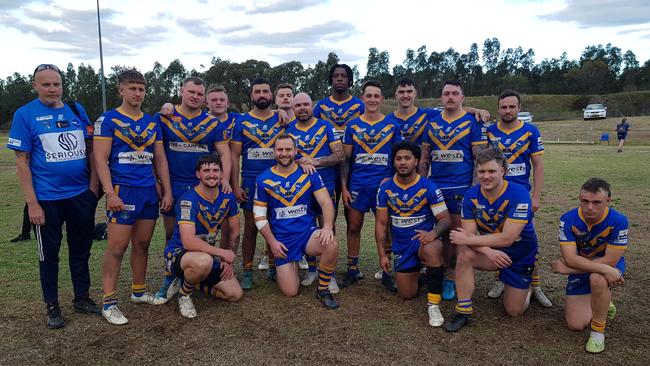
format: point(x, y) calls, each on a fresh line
point(350, 278)
point(54, 317)
point(388, 282)
point(20, 237)
point(327, 299)
point(458, 321)
point(85, 305)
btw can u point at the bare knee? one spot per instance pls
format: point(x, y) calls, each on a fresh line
point(575, 324)
point(289, 291)
point(598, 283)
point(515, 311)
point(465, 255)
point(236, 294)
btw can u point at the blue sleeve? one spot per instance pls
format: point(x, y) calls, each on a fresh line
point(434, 194)
point(467, 212)
point(260, 193)
point(619, 233)
point(20, 138)
point(186, 210)
point(477, 133)
point(347, 135)
point(316, 182)
point(237, 131)
point(426, 136)
point(565, 234)
point(382, 197)
point(85, 122)
point(159, 135)
point(430, 112)
point(233, 210)
point(317, 109)
point(536, 143)
point(397, 134)
point(104, 127)
point(362, 108)
point(520, 208)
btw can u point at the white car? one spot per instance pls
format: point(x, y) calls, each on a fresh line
point(594, 111)
point(525, 117)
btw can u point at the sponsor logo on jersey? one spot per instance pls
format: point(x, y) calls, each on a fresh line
point(405, 222)
point(135, 157)
point(621, 238)
point(516, 170)
point(63, 146)
point(290, 212)
point(186, 207)
point(372, 159)
point(447, 156)
point(561, 234)
point(14, 142)
point(179, 146)
point(261, 153)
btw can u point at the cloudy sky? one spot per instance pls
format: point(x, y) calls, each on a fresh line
point(138, 33)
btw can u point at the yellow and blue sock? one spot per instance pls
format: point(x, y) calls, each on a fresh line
point(312, 263)
point(187, 289)
point(138, 289)
point(109, 299)
point(535, 282)
point(464, 307)
point(353, 263)
point(598, 327)
point(450, 274)
point(324, 276)
point(247, 267)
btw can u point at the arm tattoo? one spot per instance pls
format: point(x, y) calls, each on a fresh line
point(332, 159)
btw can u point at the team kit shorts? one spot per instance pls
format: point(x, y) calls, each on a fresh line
point(140, 203)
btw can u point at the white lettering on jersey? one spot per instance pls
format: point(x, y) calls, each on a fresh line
point(540, 143)
point(447, 156)
point(372, 159)
point(63, 146)
point(98, 126)
point(129, 207)
point(405, 222)
point(338, 134)
point(290, 212)
point(516, 169)
point(621, 238)
point(135, 157)
point(14, 142)
point(261, 153)
point(188, 147)
point(561, 234)
point(44, 118)
point(186, 206)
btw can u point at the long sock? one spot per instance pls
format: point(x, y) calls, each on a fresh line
point(109, 299)
point(312, 263)
point(597, 330)
point(324, 276)
point(271, 262)
point(247, 267)
point(353, 263)
point(535, 282)
point(138, 289)
point(187, 288)
point(496, 275)
point(464, 307)
point(434, 284)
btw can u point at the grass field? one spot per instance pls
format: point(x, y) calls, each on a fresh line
point(372, 326)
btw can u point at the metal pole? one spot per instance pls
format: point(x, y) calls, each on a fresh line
point(101, 60)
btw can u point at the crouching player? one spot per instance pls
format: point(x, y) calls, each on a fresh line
point(191, 253)
point(418, 216)
point(593, 239)
point(501, 212)
point(285, 193)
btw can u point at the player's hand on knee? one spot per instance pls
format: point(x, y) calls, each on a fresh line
point(425, 237)
point(36, 214)
point(384, 263)
point(167, 109)
point(613, 277)
point(227, 271)
point(499, 258)
point(279, 250)
point(114, 203)
point(326, 236)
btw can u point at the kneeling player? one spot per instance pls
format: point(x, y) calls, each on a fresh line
point(418, 217)
point(191, 253)
point(501, 212)
point(593, 239)
point(285, 193)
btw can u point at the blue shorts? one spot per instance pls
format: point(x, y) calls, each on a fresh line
point(248, 185)
point(621, 136)
point(406, 256)
point(364, 199)
point(578, 284)
point(332, 192)
point(454, 199)
point(141, 203)
point(296, 245)
point(173, 257)
point(177, 191)
point(518, 276)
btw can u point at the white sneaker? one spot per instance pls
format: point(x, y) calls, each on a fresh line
point(114, 316)
point(303, 263)
point(496, 290)
point(186, 307)
point(378, 274)
point(333, 286)
point(309, 278)
point(435, 316)
point(174, 288)
point(264, 263)
point(541, 298)
point(147, 298)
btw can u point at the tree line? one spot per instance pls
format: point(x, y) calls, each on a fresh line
point(600, 70)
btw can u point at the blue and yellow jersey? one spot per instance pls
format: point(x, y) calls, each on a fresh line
point(133, 139)
point(339, 113)
point(288, 199)
point(186, 139)
point(225, 126)
point(518, 145)
point(315, 141)
point(410, 207)
point(591, 241)
point(451, 142)
point(207, 214)
point(512, 204)
point(55, 139)
point(256, 137)
point(413, 126)
point(371, 143)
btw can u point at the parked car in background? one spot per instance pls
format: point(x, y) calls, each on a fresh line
point(594, 111)
point(525, 117)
